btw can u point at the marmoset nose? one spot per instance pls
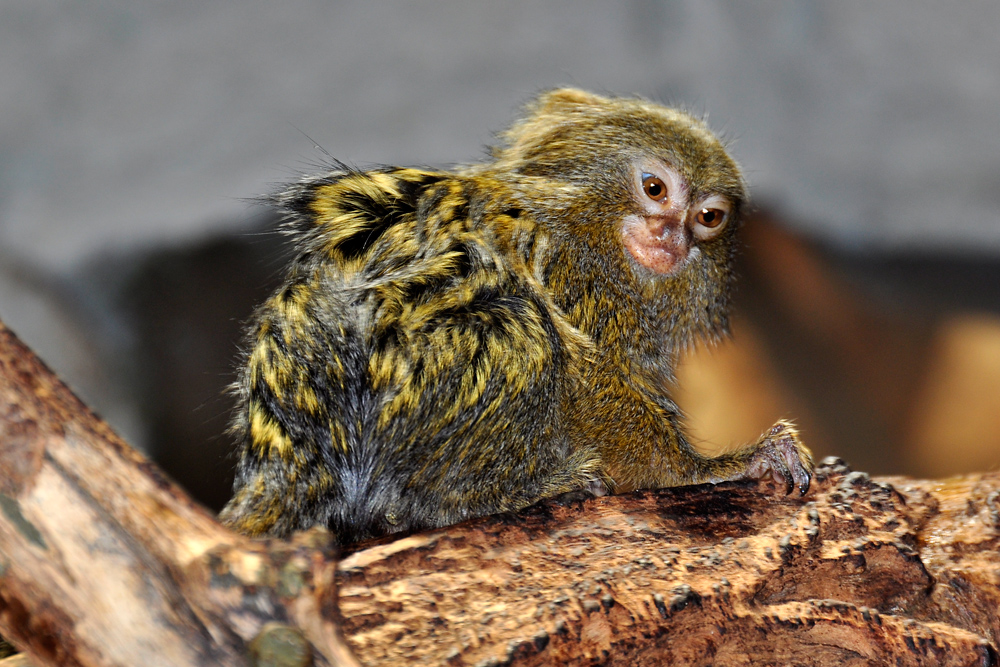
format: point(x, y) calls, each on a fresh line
point(668, 227)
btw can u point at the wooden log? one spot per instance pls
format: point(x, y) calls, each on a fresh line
point(103, 561)
point(859, 572)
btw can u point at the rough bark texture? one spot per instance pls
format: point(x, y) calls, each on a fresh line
point(104, 562)
point(859, 572)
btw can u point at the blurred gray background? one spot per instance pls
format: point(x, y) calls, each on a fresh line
point(133, 133)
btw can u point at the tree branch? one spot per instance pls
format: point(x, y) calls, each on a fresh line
point(103, 561)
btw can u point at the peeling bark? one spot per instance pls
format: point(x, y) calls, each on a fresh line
point(861, 572)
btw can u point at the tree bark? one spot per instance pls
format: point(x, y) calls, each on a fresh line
point(103, 561)
point(859, 572)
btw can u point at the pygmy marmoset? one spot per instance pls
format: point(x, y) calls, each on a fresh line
point(453, 344)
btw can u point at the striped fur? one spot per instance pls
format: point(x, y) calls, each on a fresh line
point(453, 344)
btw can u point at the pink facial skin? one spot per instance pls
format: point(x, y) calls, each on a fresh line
point(664, 235)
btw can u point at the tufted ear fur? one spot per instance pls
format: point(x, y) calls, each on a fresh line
point(548, 112)
point(566, 100)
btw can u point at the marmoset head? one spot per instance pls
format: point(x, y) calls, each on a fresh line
point(681, 187)
point(650, 188)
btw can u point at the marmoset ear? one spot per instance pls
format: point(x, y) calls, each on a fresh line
point(543, 119)
point(566, 100)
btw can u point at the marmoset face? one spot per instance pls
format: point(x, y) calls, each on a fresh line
point(668, 227)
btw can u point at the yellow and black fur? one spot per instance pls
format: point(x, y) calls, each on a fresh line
point(448, 345)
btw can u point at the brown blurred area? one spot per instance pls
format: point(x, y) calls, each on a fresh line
point(891, 362)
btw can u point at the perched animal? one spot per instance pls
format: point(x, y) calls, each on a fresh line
point(453, 344)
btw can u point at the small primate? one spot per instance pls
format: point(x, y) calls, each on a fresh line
point(450, 344)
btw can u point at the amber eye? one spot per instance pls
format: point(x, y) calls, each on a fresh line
point(654, 187)
point(711, 217)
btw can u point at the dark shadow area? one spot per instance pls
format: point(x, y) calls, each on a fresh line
point(187, 308)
